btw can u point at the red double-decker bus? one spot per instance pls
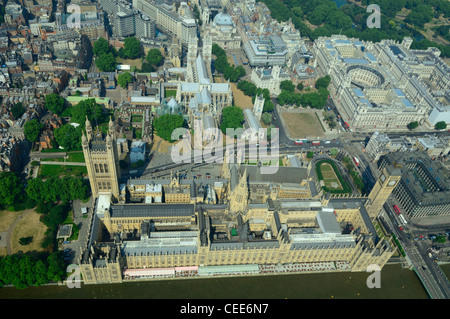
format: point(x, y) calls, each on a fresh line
point(397, 210)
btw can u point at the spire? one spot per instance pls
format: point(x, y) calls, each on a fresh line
point(88, 127)
point(111, 127)
point(83, 139)
point(244, 177)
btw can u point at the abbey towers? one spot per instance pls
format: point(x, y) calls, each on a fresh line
point(102, 161)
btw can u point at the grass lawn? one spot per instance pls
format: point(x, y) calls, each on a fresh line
point(136, 118)
point(329, 174)
point(73, 157)
point(76, 157)
point(52, 159)
point(135, 62)
point(6, 219)
point(138, 133)
point(379, 230)
point(28, 226)
point(301, 125)
point(329, 177)
point(169, 93)
point(46, 171)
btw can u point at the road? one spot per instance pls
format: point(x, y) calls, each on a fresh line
point(74, 247)
point(427, 270)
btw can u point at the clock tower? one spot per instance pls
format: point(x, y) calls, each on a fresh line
point(382, 189)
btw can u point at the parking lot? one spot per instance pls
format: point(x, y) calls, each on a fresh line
point(72, 250)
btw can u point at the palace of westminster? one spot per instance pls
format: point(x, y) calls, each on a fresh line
point(237, 223)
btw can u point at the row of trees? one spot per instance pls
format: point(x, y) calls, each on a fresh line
point(13, 193)
point(316, 100)
point(357, 179)
point(24, 270)
point(442, 125)
point(221, 65)
point(56, 189)
point(250, 89)
point(105, 55)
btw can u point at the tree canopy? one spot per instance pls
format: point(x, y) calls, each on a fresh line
point(440, 125)
point(287, 85)
point(166, 124)
point(106, 62)
point(11, 189)
point(266, 118)
point(131, 48)
point(68, 137)
point(32, 129)
point(101, 46)
point(88, 108)
point(57, 189)
point(221, 65)
point(323, 82)
point(420, 15)
point(55, 103)
point(24, 270)
point(413, 125)
point(248, 88)
point(154, 57)
point(232, 117)
point(105, 55)
point(124, 78)
point(17, 110)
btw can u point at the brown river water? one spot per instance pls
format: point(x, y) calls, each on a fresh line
point(396, 283)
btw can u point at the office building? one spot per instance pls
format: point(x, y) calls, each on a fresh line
point(380, 86)
point(424, 188)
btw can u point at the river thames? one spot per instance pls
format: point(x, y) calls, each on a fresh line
point(396, 283)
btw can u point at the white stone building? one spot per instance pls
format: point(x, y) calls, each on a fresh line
point(377, 86)
point(223, 32)
point(270, 78)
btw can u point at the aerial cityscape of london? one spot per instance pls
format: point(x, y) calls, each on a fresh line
point(224, 149)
